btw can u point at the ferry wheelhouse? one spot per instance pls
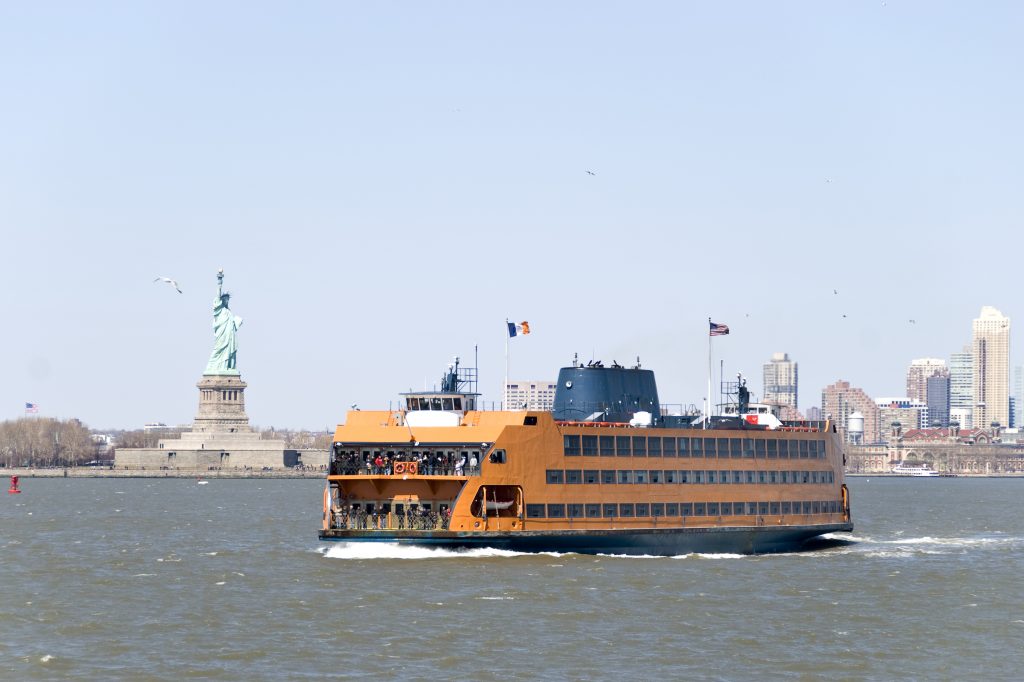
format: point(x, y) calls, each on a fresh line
point(604, 472)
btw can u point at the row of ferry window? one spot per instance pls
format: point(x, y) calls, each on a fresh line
point(437, 404)
point(677, 509)
point(627, 476)
point(658, 446)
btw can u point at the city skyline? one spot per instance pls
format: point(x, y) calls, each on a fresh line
point(776, 358)
point(360, 180)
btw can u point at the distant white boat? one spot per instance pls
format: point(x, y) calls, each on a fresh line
point(904, 469)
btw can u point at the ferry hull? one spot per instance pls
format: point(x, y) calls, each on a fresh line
point(653, 541)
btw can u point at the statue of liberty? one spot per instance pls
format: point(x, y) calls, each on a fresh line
point(225, 330)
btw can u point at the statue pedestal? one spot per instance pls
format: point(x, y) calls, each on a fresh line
point(221, 437)
point(221, 405)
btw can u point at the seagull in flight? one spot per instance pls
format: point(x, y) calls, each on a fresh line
point(169, 281)
point(913, 322)
point(590, 172)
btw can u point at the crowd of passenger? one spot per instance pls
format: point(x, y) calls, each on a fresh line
point(410, 517)
point(390, 463)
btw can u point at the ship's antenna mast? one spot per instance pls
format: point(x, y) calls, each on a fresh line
point(721, 380)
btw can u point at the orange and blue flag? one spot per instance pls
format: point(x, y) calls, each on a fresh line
point(516, 329)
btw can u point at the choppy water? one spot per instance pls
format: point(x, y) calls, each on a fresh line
point(164, 579)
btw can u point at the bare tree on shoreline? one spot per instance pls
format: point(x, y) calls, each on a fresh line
point(42, 441)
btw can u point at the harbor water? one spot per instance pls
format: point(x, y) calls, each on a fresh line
point(143, 579)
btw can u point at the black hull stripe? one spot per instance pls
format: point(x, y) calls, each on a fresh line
point(655, 541)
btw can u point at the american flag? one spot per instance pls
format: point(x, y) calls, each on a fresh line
point(718, 329)
point(31, 408)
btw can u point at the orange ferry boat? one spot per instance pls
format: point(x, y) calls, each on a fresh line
point(604, 472)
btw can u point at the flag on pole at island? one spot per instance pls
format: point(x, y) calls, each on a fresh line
point(516, 329)
point(31, 408)
point(718, 329)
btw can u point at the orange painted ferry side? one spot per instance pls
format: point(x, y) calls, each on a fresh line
point(539, 484)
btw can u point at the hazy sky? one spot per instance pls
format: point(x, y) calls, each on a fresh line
point(385, 183)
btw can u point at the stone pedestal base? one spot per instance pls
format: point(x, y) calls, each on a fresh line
point(221, 405)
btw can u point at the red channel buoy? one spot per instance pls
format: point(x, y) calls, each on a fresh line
point(14, 486)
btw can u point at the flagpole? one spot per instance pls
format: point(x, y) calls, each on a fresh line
point(504, 387)
point(707, 416)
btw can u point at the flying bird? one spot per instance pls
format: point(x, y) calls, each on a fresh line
point(590, 172)
point(169, 281)
point(913, 322)
point(835, 291)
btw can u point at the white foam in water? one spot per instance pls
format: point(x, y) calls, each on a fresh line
point(951, 542)
point(840, 536)
point(46, 659)
point(391, 550)
point(631, 556)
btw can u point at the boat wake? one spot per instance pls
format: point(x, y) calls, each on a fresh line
point(900, 547)
point(385, 550)
point(828, 545)
point(388, 550)
point(955, 542)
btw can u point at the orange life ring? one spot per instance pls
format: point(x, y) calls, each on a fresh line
point(412, 468)
point(399, 467)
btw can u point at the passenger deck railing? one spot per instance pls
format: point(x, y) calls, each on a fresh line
point(411, 520)
point(400, 469)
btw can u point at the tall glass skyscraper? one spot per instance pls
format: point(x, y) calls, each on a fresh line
point(1018, 395)
point(961, 387)
point(938, 400)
